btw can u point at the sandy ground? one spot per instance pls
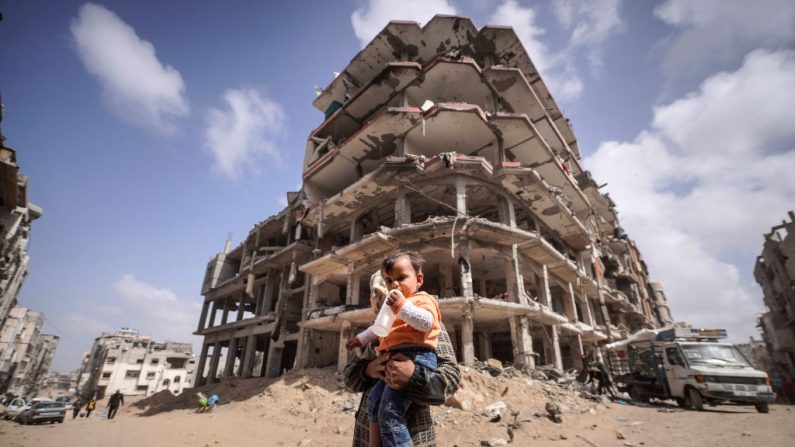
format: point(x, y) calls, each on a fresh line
point(309, 409)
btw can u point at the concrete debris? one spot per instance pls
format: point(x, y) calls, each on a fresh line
point(554, 412)
point(493, 442)
point(495, 410)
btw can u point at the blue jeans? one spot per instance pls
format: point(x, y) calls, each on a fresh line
point(388, 407)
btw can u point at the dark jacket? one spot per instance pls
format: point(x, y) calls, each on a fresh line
point(425, 387)
point(116, 399)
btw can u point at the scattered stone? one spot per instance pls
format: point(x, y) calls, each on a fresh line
point(495, 410)
point(554, 412)
point(349, 405)
point(620, 435)
point(493, 442)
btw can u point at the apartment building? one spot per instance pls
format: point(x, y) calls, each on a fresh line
point(136, 365)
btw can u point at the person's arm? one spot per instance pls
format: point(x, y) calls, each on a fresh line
point(121, 399)
point(355, 375)
point(435, 386)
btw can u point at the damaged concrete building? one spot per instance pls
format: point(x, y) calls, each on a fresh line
point(775, 273)
point(442, 139)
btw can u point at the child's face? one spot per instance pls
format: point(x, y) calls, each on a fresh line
point(403, 276)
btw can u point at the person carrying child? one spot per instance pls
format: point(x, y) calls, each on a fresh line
point(414, 334)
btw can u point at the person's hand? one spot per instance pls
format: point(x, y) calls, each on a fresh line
point(376, 367)
point(395, 298)
point(398, 371)
point(354, 343)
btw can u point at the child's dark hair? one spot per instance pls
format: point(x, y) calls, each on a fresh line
point(415, 258)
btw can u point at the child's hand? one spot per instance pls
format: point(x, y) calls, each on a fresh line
point(355, 343)
point(395, 298)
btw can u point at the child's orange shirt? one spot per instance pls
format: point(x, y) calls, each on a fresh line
point(403, 334)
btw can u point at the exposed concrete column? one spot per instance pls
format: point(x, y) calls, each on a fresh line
point(445, 280)
point(214, 305)
point(587, 311)
point(507, 212)
point(482, 287)
point(356, 229)
point(213, 372)
point(274, 360)
point(577, 353)
point(203, 317)
point(402, 208)
point(248, 355)
point(199, 380)
point(461, 196)
point(484, 344)
point(353, 286)
point(225, 315)
point(241, 309)
point(543, 287)
point(342, 353)
point(522, 342)
point(515, 278)
point(568, 304)
point(270, 284)
point(467, 345)
point(553, 347)
point(465, 267)
point(231, 355)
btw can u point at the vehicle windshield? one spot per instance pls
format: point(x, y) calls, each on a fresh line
point(714, 355)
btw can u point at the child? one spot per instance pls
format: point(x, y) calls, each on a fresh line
point(414, 333)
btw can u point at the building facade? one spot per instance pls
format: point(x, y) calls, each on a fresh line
point(135, 365)
point(775, 273)
point(25, 353)
point(442, 139)
point(16, 216)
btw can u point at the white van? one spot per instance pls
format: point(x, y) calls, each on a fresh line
point(691, 367)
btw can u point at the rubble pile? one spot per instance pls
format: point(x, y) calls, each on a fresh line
point(501, 401)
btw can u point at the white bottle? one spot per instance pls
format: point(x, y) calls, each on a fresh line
point(385, 318)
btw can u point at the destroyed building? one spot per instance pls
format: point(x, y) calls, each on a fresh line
point(443, 139)
point(25, 352)
point(16, 217)
point(136, 365)
point(775, 273)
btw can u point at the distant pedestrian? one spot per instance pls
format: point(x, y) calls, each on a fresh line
point(90, 407)
point(76, 406)
point(115, 400)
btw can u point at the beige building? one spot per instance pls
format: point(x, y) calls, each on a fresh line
point(25, 353)
point(442, 139)
point(775, 273)
point(136, 365)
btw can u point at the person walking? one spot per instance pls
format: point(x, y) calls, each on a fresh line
point(90, 407)
point(76, 406)
point(115, 400)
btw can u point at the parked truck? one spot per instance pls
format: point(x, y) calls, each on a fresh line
point(690, 366)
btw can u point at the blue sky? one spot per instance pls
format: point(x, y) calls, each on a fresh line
point(151, 130)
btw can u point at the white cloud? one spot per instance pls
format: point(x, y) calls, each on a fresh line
point(132, 289)
point(590, 25)
point(244, 133)
point(704, 182)
point(373, 15)
point(153, 310)
point(135, 84)
point(710, 32)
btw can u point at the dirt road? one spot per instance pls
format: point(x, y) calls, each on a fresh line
point(245, 424)
point(309, 408)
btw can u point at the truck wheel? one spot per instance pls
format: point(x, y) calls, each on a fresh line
point(681, 402)
point(693, 400)
point(762, 407)
point(637, 395)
